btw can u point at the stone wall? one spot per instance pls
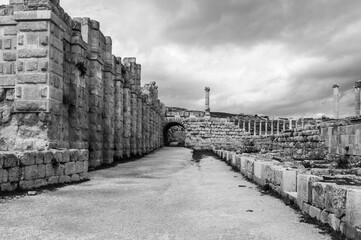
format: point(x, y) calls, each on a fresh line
point(331, 196)
point(61, 88)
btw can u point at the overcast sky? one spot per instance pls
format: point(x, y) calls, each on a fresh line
point(273, 57)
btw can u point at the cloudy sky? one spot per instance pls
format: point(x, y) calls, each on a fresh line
point(273, 57)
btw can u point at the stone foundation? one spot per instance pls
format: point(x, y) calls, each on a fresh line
point(34, 169)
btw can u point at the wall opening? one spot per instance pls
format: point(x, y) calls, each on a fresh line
point(174, 134)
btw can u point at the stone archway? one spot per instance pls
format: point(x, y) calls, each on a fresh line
point(167, 126)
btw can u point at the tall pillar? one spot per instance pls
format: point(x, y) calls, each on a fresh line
point(208, 110)
point(266, 128)
point(249, 126)
point(290, 126)
point(272, 128)
point(255, 128)
point(244, 125)
point(278, 126)
point(303, 123)
point(357, 97)
point(260, 127)
point(127, 116)
point(284, 125)
point(118, 111)
point(296, 123)
point(336, 101)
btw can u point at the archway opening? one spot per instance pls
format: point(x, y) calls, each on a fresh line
point(174, 134)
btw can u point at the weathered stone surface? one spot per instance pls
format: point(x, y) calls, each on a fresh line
point(353, 210)
point(334, 222)
point(314, 212)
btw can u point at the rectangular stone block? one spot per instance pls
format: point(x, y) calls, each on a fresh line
point(4, 176)
point(9, 56)
point(14, 174)
point(10, 160)
point(7, 80)
point(33, 26)
point(314, 212)
point(70, 168)
point(353, 210)
point(304, 188)
point(32, 53)
point(31, 172)
point(33, 78)
point(289, 180)
point(31, 106)
point(27, 184)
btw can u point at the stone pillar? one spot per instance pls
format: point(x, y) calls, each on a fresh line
point(244, 125)
point(290, 126)
point(92, 34)
point(284, 125)
point(336, 101)
point(303, 123)
point(255, 128)
point(266, 128)
point(108, 99)
point(272, 127)
point(357, 97)
point(144, 124)
point(208, 110)
point(260, 127)
point(118, 111)
point(296, 123)
point(278, 126)
point(126, 114)
point(249, 126)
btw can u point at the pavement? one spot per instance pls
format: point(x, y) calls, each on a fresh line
point(164, 195)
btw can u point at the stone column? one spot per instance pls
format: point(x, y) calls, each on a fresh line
point(208, 110)
point(249, 126)
point(336, 101)
point(278, 126)
point(254, 128)
point(284, 125)
point(290, 126)
point(296, 123)
point(244, 125)
point(118, 111)
point(140, 126)
point(127, 116)
point(357, 97)
point(260, 127)
point(272, 127)
point(303, 123)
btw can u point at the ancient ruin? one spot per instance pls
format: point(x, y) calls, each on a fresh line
point(67, 105)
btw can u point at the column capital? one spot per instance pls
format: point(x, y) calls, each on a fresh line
point(335, 86)
point(207, 89)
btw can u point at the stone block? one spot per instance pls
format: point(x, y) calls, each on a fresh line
point(289, 180)
point(70, 168)
point(335, 199)
point(4, 176)
point(334, 222)
point(66, 156)
point(58, 156)
point(48, 156)
point(318, 195)
point(27, 184)
point(14, 174)
point(32, 53)
point(31, 106)
point(353, 210)
point(64, 179)
point(314, 212)
point(27, 159)
point(40, 183)
point(75, 178)
point(257, 177)
point(41, 171)
point(10, 160)
point(306, 207)
point(8, 187)
point(34, 78)
point(324, 216)
point(304, 187)
point(79, 167)
point(49, 170)
point(53, 180)
point(33, 26)
point(31, 172)
point(39, 158)
point(277, 179)
point(9, 56)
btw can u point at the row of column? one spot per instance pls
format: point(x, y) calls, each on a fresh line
point(336, 99)
point(267, 127)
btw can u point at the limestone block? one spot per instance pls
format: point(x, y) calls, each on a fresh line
point(48, 156)
point(64, 179)
point(53, 180)
point(31, 172)
point(304, 188)
point(41, 171)
point(289, 180)
point(33, 26)
point(14, 174)
point(334, 222)
point(27, 184)
point(277, 179)
point(75, 178)
point(4, 176)
point(40, 183)
point(8, 187)
point(10, 160)
point(324, 216)
point(70, 168)
point(335, 199)
point(353, 210)
point(314, 212)
point(318, 195)
point(306, 207)
point(66, 156)
point(257, 177)
point(39, 158)
point(27, 159)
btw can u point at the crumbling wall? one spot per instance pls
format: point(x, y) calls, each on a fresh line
point(62, 89)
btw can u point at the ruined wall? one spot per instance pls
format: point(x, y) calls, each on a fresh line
point(202, 134)
point(61, 88)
